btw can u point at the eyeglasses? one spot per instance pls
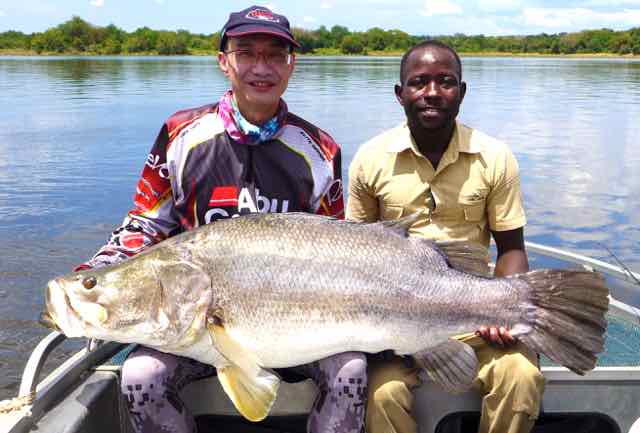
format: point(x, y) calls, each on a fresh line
point(247, 58)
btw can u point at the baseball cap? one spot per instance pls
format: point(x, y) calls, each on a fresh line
point(256, 19)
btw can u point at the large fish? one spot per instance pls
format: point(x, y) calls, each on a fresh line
point(276, 290)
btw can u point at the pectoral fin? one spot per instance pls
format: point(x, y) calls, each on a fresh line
point(251, 388)
point(467, 257)
point(451, 364)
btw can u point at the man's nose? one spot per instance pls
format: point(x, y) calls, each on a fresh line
point(431, 89)
point(260, 64)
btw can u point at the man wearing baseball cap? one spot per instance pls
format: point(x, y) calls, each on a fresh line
point(246, 153)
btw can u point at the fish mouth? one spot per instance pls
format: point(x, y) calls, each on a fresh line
point(47, 321)
point(58, 315)
point(47, 317)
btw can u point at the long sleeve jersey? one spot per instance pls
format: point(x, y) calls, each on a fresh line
point(195, 174)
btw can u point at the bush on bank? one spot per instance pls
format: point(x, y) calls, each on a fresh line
point(77, 36)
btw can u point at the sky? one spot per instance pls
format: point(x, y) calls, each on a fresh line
point(416, 17)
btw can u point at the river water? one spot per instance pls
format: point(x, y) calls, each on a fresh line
point(75, 132)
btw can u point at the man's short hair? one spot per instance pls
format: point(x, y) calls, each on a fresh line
point(429, 43)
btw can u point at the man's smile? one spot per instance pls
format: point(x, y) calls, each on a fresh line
point(262, 85)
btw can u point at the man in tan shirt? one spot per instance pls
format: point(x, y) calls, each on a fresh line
point(467, 187)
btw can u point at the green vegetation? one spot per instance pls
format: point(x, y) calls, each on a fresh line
point(77, 36)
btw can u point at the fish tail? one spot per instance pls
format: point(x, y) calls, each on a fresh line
point(564, 318)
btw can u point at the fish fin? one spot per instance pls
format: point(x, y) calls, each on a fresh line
point(402, 225)
point(252, 396)
point(452, 364)
point(251, 388)
point(466, 256)
point(563, 316)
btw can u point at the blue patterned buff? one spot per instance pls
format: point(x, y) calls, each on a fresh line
point(243, 131)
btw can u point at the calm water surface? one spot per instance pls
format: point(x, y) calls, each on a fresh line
point(75, 132)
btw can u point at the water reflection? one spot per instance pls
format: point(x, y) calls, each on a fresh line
point(573, 125)
point(77, 130)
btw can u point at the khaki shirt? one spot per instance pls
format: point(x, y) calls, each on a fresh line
point(476, 187)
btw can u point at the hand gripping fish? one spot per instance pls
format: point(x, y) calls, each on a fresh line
point(265, 291)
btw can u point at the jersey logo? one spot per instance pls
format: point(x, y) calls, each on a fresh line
point(241, 202)
point(223, 196)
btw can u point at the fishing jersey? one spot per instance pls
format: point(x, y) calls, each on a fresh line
point(196, 174)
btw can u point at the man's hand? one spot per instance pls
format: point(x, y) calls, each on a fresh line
point(512, 259)
point(497, 336)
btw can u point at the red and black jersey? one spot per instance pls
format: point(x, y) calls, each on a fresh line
point(196, 174)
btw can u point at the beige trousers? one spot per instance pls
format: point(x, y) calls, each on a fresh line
point(509, 380)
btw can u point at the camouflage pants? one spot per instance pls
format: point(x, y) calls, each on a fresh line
point(152, 381)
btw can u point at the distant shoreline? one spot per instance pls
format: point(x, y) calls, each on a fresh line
point(23, 53)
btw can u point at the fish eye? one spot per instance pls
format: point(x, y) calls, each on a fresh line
point(89, 283)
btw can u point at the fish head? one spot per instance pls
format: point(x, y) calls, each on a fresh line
point(86, 303)
point(144, 300)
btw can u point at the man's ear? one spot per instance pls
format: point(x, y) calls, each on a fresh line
point(222, 63)
point(293, 61)
point(398, 91)
point(463, 90)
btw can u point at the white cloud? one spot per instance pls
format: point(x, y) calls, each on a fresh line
point(326, 5)
point(97, 3)
point(562, 19)
point(308, 19)
point(497, 6)
point(440, 7)
point(475, 25)
point(2, 14)
point(611, 3)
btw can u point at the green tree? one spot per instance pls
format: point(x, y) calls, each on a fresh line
point(620, 43)
point(110, 46)
point(569, 43)
point(401, 40)
point(142, 40)
point(377, 39)
point(170, 43)
point(109, 40)
point(307, 39)
point(635, 40)
point(202, 42)
point(215, 41)
point(78, 34)
point(14, 40)
point(352, 44)
point(51, 41)
point(595, 41)
point(323, 38)
point(337, 34)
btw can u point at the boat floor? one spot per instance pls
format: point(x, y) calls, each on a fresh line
point(461, 423)
point(233, 424)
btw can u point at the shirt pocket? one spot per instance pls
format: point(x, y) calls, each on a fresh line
point(473, 207)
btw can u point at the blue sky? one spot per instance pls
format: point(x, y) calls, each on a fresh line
point(417, 17)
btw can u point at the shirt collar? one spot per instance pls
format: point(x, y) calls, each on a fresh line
point(462, 140)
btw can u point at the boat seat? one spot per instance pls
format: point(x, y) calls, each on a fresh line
point(206, 397)
point(98, 395)
point(574, 409)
